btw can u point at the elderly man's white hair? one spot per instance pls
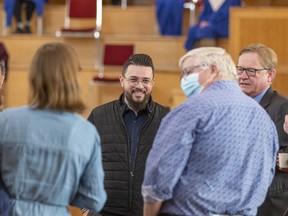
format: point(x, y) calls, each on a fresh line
point(216, 56)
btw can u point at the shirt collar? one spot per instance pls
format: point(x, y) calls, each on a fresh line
point(258, 97)
point(216, 4)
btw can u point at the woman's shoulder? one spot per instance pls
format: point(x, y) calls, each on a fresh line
point(14, 111)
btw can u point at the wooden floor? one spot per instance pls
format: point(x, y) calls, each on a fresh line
point(165, 51)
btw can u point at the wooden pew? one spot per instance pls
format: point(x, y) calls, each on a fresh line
point(115, 20)
point(16, 87)
point(165, 51)
point(135, 20)
point(21, 48)
point(220, 42)
point(267, 25)
point(166, 84)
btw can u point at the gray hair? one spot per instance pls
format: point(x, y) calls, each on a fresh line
point(266, 55)
point(213, 55)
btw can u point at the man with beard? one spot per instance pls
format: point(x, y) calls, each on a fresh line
point(127, 128)
point(256, 69)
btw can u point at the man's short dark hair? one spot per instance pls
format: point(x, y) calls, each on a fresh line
point(138, 59)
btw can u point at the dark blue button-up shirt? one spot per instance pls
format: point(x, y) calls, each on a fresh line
point(134, 124)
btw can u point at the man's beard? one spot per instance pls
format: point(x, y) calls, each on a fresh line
point(136, 106)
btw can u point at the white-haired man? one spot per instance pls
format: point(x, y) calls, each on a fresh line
point(215, 153)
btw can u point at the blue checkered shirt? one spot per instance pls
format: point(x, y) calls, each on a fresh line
point(215, 153)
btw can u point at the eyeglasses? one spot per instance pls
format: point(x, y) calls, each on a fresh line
point(251, 72)
point(133, 81)
point(187, 71)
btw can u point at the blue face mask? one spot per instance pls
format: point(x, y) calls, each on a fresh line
point(190, 85)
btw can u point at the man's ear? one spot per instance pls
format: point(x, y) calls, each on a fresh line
point(121, 79)
point(214, 69)
point(271, 75)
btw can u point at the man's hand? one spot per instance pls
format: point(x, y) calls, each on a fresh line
point(285, 126)
point(85, 212)
point(203, 24)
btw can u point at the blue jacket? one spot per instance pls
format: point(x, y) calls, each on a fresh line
point(219, 23)
point(220, 18)
point(169, 15)
point(9, 9)
point(57, 161)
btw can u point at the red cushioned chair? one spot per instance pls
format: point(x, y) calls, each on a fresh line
point(114, 56)
point(102, 88)
point(82, 13)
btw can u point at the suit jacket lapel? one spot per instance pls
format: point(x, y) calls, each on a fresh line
point(265, 101)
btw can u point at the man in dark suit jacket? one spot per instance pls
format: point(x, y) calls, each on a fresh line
point(256, 69)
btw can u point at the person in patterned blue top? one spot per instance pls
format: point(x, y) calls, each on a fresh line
point(215, 153)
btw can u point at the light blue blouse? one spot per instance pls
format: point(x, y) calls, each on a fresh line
point(50, 160)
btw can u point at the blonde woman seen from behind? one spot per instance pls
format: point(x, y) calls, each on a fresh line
point(51, 156)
